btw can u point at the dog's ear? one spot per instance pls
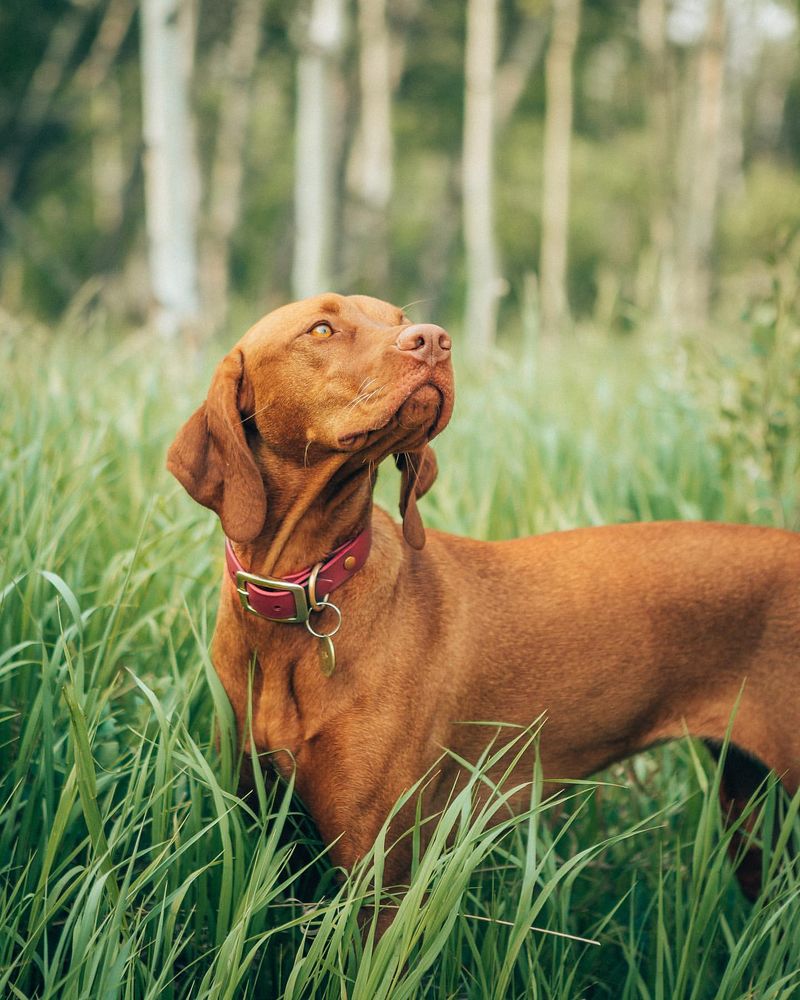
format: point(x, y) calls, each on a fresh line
point(418, 470)
point(211, 459)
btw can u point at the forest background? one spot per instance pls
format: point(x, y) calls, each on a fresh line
point(601, 201)
point(533, 161)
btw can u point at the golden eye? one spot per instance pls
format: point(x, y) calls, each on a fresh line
point(322, 331)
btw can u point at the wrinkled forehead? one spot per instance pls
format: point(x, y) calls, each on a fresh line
point(351, 310)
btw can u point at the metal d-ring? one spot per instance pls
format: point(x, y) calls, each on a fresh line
point(325, 603)
point(314, 604)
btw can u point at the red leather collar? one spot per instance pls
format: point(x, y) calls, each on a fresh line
point(287, 599)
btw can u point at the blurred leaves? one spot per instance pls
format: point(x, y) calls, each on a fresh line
point(71, 192)
point(755, 396)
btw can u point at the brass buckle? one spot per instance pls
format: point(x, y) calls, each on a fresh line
point(267, 583)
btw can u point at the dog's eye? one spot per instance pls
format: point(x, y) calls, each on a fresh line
point(322, 331)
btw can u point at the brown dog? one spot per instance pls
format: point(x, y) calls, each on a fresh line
point(623, 636)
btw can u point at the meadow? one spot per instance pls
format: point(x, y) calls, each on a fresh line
point(128, 866)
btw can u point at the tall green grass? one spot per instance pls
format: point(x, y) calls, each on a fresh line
point(129, 867)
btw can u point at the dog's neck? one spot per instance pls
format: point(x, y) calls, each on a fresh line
point(310, 511)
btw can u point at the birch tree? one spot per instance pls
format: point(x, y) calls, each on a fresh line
point(657, 274)
point(110, 172)
point(514, 71)
point(171, 179)
point(478, 175)
point(227, 170)
point(511, 79)
point(370, 167)
point(316, 147)
point(556, 162)
point(701, 166)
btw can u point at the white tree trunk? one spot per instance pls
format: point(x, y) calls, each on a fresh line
point(227, 171)
point(370, 168)
point(510, 81)
point(171, 180)
point(702, 166)
point(657, 269)
point(478, 175)
point(374, 175)
point(109, 167)
point(316, 148)
point(556, 156)
point(514, 73)
point(109, 172)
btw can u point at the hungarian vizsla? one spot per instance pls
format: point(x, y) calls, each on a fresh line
point(620, 636)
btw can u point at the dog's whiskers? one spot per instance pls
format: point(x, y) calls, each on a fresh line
point(375, 392)
point(255, 413)
point(413, 469)
point(365, 397)
point(365, 382)
point(361, 391)
point(417, 302)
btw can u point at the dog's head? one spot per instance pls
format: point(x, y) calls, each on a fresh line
point(333, 381)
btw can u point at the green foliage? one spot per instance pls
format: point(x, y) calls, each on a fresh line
point(758, 220)
point(755, 397)
point(129, 867)
point(57, 130)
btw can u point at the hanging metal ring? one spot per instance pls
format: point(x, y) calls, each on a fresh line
point(325, 635)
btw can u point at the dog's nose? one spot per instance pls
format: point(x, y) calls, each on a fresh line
point(426, 341)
